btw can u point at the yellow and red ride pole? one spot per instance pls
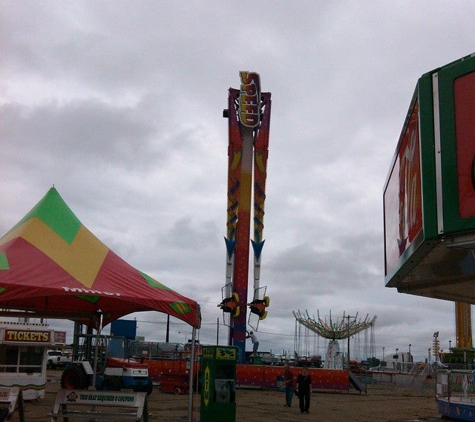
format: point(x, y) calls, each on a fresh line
point(248, 116)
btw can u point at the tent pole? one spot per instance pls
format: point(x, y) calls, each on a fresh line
point(96, 350)
point(192, 371)
point(167, 338)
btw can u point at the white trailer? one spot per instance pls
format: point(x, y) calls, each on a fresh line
point(23, 356)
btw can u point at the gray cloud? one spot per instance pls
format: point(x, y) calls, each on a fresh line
point(119, 106)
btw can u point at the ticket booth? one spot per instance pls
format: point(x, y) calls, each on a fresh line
point(23, 356)
point(218, 388)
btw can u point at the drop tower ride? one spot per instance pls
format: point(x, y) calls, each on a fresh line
point(248, 115)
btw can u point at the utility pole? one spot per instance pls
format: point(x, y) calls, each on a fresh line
point(348, 328)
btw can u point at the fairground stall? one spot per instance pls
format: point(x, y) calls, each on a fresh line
point(429, 215)
point(23, 356)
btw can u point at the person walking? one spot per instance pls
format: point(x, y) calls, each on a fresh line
point(289, 382)
point(303, 389)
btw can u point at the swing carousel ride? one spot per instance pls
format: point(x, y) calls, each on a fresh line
point(334, 329)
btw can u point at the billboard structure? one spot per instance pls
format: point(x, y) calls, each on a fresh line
point(248, 115)
point(429, 194)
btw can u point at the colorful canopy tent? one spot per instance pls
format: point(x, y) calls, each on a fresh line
point(52, 266)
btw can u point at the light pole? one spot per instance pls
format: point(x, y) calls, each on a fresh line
point(185, 334)
point(383, 354)
point(410, 359)
point(348, 328)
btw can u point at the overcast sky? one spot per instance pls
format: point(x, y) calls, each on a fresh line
point(118, 104)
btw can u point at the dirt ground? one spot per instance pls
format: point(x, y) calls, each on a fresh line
point(382, 403)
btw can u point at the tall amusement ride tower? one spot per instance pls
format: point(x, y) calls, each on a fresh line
point(248, 115)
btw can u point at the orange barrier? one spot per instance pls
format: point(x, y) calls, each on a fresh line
point(265, 376)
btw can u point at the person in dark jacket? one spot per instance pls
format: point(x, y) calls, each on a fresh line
point(289, 382)
point(303, 389)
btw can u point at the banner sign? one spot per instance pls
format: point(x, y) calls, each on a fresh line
point(27, 336)
point(250, 99)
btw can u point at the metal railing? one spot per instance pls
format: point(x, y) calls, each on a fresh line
point(15, 369)
point(456, 384)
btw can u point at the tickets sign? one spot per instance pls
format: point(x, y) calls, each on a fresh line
point(27, 336)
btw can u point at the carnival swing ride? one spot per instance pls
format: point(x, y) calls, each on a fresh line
point(334, 329)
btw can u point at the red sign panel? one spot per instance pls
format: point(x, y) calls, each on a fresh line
point(402, 197)
point(60, 337)
point(464, 97)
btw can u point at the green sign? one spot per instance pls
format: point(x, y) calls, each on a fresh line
point(429, 194)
